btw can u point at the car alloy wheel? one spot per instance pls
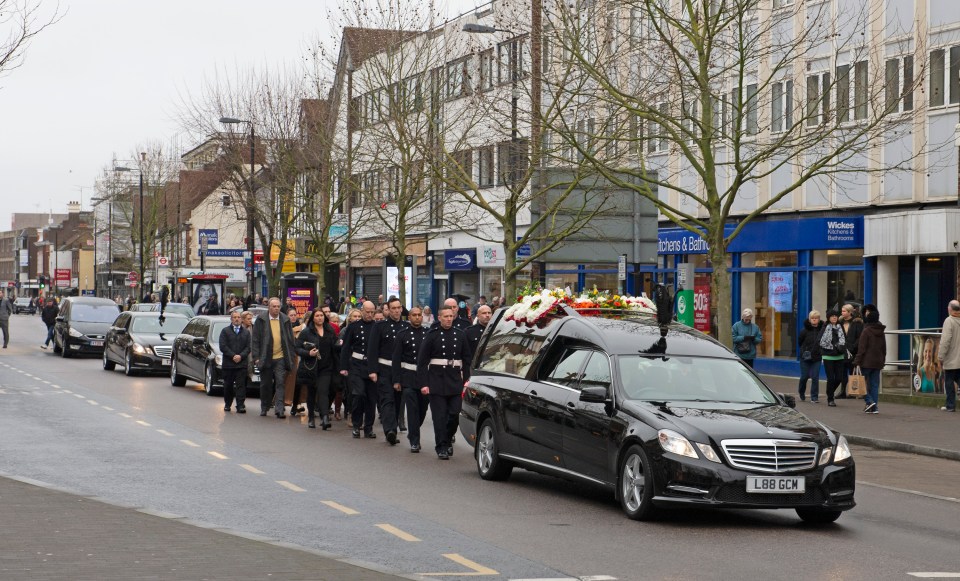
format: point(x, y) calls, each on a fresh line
point(176, 379)
point(489, 464)
point(636, 484)
point(208, 380)
point(128, 364)
point(107, 364)
point(64, 347)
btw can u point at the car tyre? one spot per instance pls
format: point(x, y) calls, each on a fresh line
point(128, 369)
point(107, 364)
point(818, 516)
point(56, 347)
point(635, 485)
point(176, 379)
point(64, 348)
point(208, 380)
point(490, 465)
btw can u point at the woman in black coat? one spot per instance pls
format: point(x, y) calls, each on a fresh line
point(810, 356)
point(317, 346)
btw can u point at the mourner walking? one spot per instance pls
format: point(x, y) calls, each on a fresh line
point(443, 367)
point(380, 347)
point(273, 353)
point(6, 309)
point(405, 352)
point(235, 346)
point(353, 366)
point(475, 331)
point(316, 346)
point(458, 322)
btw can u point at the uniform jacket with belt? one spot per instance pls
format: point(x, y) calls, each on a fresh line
point(383, 338)
point(444, 345)
point(405, 351)
point(355, 338)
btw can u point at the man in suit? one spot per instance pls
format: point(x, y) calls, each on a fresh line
point(6, 309)
point(235, 347)
point(273, 353)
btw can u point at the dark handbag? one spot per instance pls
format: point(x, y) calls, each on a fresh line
point(743, 347)
point(806, 356)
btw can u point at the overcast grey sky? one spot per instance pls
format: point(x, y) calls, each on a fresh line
point(108, 75)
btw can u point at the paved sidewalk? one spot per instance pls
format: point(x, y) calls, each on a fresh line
point(55, 535)
point(901, 427)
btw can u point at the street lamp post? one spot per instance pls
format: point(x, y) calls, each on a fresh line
point(250, 203)
point(143, 159)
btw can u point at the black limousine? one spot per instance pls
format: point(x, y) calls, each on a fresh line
point(663, 414)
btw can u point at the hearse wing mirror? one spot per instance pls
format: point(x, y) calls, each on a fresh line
point(790, 400)
point(593, 395)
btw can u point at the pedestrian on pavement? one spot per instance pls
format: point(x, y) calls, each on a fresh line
point(380, 348)
point(49, 317)
point(443, 370)
point(235, 347)
point(316, 345)
point(428, 319)
point(746, 337)
point(404, 368)
point(852, 326)
point(949, 355)
point(458, 321)
point(273, 353)
point(833, 349)
point(475, 331)
point(353, 366)
point(6, 309)
point(476, 308)
point(810, 356)
point(871, 356)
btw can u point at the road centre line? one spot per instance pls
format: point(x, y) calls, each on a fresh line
point(123, 415)
point(91, 402)
point(935, 575)
point(109, 409)
point(143, 423)
point(250, 468)
point(337, 506)
point(80, 396)
point(217, 455)
point(165, 433)
point(476, 569)
point(290, 486)
point(191, 444)
point(397, 533)
point(67, 391)
point(914, 492)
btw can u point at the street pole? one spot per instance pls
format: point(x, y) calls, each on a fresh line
point(141, 229)
point(250, 206)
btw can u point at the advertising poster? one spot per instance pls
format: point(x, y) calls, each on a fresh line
point(926, 371)
point(301, 299)
point(393, 283)
point(207, 297)
point(701, 303)
point(781, 291)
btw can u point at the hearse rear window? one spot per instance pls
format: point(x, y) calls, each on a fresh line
point(512, 348)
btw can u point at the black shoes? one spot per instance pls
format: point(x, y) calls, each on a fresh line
point(392, 438)
point(832, 403)
point(370, 436)
point(356, 433)
point(450, 451)
point(312, 424)
point(403, 427)
point(325, 422)
point(414, 448)
point(281, 416)
point(226, 408)
point(263, 413)
point(442, 454)
point(241, 410)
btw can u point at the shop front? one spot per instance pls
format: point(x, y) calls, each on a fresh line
point(781, 269)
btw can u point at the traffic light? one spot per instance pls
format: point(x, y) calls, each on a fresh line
point(43, 281)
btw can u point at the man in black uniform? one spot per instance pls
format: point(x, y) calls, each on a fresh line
point(406, 349)
point(474, 332)
point(458, 322)
point(380, 348)
point(353, 365)
point(443, 368)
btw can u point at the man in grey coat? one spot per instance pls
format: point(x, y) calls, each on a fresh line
point(6, 309)
point(273, 352)
point(949, 355)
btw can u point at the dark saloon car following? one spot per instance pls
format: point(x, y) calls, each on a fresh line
point(670, 419)
point(82, 325)
point(24, 305)
point(196, 355)
point(178, 308)
point(141, 342)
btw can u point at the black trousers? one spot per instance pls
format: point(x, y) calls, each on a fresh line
point(272, 388)
point(416, 404)
point(836, 373)
point(363, 392)
point(234, 386)
point(387, 402)
point(318, 396)
point(445, 412)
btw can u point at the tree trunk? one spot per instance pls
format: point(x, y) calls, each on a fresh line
point(720, 283)
point(509, 266)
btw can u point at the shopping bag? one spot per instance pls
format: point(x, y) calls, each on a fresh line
point(856, 384)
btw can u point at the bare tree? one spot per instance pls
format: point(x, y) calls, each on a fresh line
point(20, 22)
point(720, 108)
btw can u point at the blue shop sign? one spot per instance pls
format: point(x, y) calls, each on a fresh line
point(772, 235)
point(460, 259)
point(212, 234)
point(224, 252)
point(524, 251)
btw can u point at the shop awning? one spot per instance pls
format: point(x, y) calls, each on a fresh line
point(933, 231)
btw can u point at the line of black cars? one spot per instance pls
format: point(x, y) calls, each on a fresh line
point(181, 346)
point(662, 414)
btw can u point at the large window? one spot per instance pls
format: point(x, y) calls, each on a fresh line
point(772, 295)
point(781, 106)
point(818, 99)
point(602, 280)
point(833, 288)
point(944, 73)
point(898, 76)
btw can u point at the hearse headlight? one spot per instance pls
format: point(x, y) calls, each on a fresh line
point(218, 359)
point(139, 349)
point(708, 453)
point(74, 333)
point(825, 456)
point(671, 441)
point(843, 450)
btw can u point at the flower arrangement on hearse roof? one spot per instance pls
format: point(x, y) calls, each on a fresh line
point(534, 304)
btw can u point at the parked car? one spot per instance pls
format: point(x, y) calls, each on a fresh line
point(139, 342)
point(178, 308)
point(664, 416)
point(82, 325)
point(196, 355)
point(24, 305)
